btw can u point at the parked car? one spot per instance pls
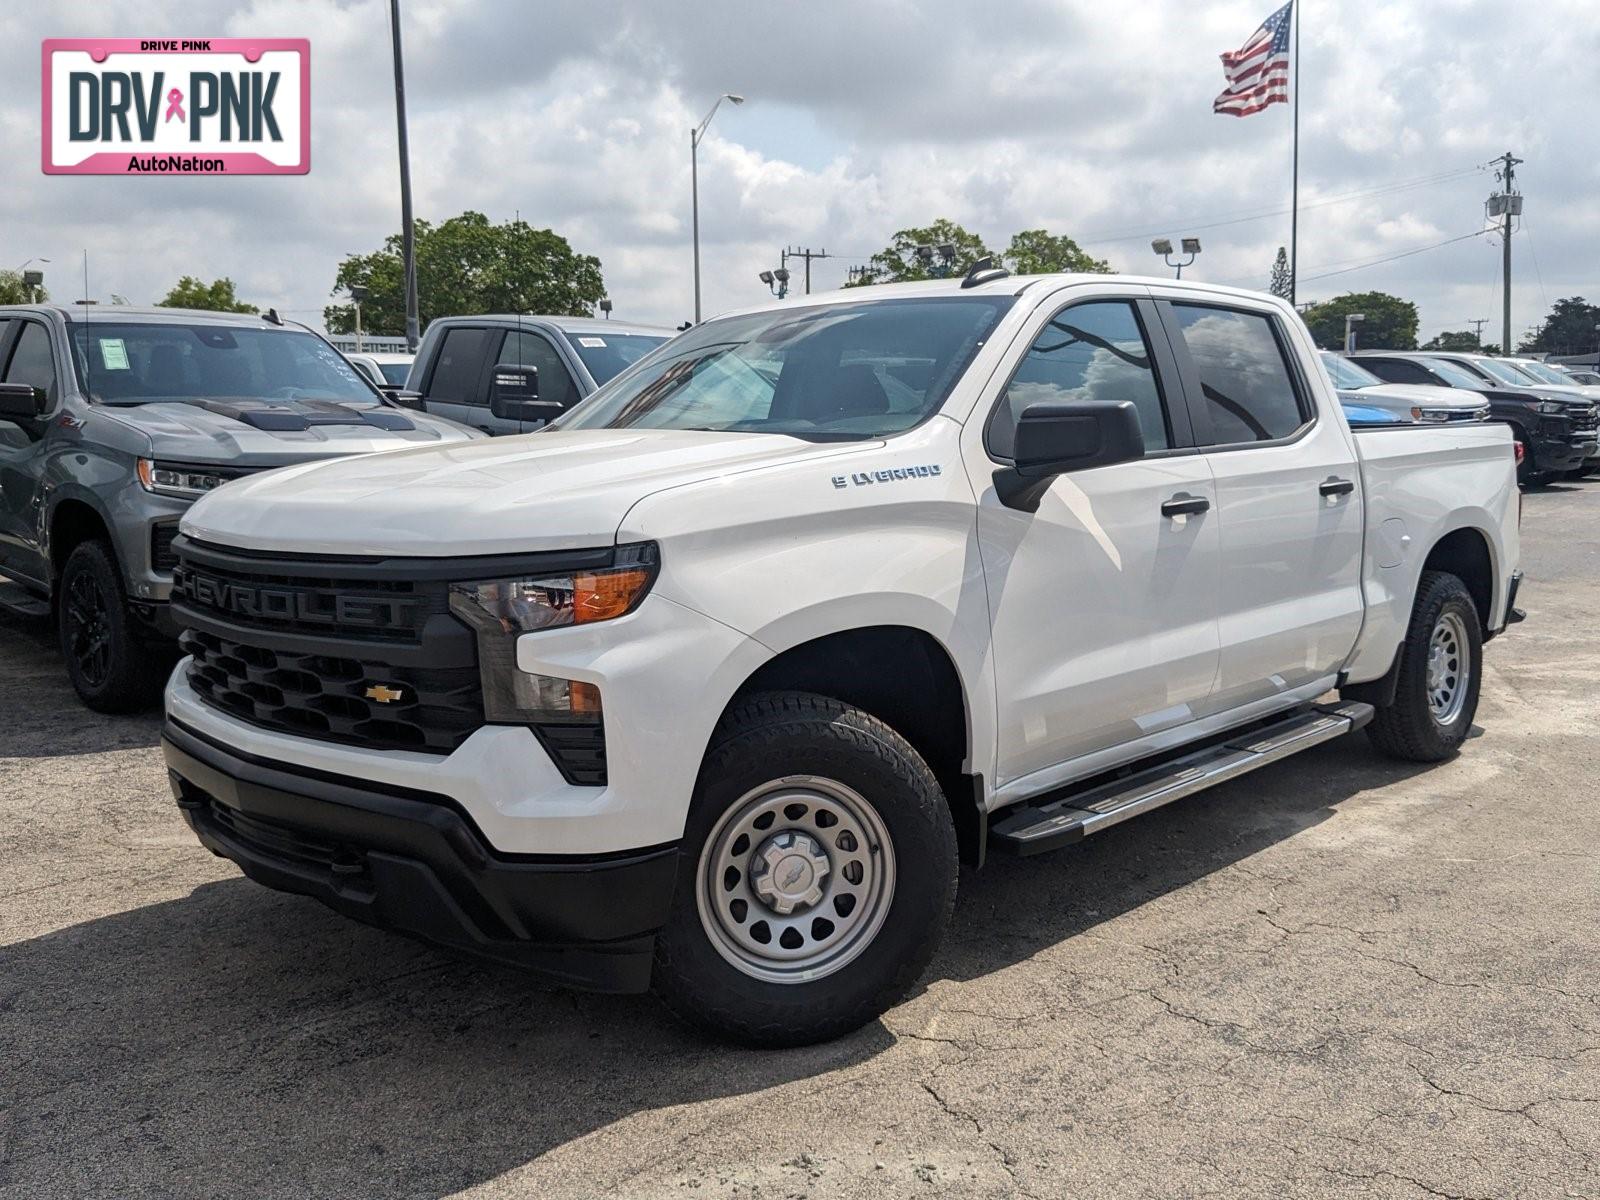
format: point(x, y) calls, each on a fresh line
point(1586, 378)
point(1365, 416)
point(1411, 402)
point(558, 361)
point(1547, 376)
point(1557, 434)
point(1510, 374)
point(385, 370)
point(113, 423)
point(713, 683)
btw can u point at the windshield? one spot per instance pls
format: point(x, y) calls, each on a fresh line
point(1504, 372)
point(1347, 375)
point(121, 362)
point(395, 372)
point(1545, 375)
point(836, 372)
point(607, 355)
point(1455, 376)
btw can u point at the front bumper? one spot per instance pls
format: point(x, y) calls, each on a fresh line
point(414, 862)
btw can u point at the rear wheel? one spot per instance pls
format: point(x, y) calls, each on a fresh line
point(111, 668)
point(817, 875)
point(1441, 664)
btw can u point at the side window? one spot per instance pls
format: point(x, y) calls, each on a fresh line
point(31, 360)
point(1244, 381)
point(454, 379)
point(1397, 370)
point(1091, 351)
point(525, 349)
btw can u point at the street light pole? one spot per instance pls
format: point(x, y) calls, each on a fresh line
point(408, 240)
point(1351, 320)
point(695, 134)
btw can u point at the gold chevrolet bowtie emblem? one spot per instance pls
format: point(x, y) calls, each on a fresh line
point(385, 695)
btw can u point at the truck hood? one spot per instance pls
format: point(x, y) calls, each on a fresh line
point(560, 489)
point(1395, 395)
point(260, 433)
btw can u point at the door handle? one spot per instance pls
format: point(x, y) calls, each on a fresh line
point(1184, 505)
point(1333, 486)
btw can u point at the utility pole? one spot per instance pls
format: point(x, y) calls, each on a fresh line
point(1477, 324)
point(808, 255)
point(1506, 204)
point(408, 237)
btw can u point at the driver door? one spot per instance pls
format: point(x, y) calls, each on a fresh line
point(1103, 603)
point(26, 356)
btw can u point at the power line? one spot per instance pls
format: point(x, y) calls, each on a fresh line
point(1377, 262)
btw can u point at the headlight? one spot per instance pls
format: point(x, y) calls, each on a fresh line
point(1430, 415)
point(1552, 408)
point(172, 479)
point(500, 610)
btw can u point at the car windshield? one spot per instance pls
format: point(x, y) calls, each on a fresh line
point(1453, 375)
point(1504, 372)
point(607, 355)
point(1545, 375)
point(395, 372)
point(1347, 375)
point(122, 362)
point(834, 372)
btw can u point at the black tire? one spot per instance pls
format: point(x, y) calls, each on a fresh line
point(111, 667)
point(1575, 473)
point(1529, 473)
point(1410, 728)
point(774, 736)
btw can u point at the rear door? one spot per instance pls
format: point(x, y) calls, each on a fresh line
point(456, 386)
point(1103, 602)
point(1289, 504)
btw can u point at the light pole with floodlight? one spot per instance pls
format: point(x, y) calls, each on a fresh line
point(1163, 247)
point(1351, 320)
point(695, 134)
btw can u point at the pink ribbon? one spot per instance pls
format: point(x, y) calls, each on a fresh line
point(175, 105)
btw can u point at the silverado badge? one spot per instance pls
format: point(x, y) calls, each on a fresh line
point(384, 694)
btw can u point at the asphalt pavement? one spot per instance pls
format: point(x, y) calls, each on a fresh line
point(1340, 976)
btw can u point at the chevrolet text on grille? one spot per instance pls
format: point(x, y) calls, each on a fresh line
point(321, 605)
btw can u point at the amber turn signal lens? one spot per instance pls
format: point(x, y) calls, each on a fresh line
point(600, 597)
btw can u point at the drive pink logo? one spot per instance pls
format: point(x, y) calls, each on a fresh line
point(212, 106)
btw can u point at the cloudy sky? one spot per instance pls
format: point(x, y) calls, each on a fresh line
point(863, 117)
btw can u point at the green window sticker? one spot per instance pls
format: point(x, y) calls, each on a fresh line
point(114, 354)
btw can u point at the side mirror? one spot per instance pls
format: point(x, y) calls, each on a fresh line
point(400, 396)
point(514, 394)
point(1055, 438)
point(22, 401)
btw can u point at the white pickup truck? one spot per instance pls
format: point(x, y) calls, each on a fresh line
point(713, 684)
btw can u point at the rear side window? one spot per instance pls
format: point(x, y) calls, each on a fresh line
point(455, 375)
point(1397, 370)
point(1091, 351)
point(1245, 383)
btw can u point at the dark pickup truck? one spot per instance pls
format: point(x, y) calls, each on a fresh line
point(113, 423)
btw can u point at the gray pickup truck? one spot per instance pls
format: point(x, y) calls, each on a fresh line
point(113, 421)
point(514, 374)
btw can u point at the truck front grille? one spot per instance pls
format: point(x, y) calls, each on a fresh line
point(354, 700)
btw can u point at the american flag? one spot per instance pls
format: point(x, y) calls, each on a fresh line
point(1258, 71)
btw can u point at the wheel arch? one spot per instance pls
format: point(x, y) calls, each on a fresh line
point(909, 679)
point(1467, 553)
point(73, 519)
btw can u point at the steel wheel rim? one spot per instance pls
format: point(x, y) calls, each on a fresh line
point(1449, 668)
point(803, 842)
point(88, 633)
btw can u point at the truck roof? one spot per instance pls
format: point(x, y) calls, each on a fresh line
point(132, 314)
point(595, 325)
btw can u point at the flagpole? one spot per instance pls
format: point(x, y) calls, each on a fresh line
point(1294, 204)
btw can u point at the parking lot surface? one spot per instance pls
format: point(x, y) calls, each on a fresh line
point(1340, 976)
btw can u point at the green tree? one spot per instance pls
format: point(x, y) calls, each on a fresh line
point(14, 291)
point(1459, 340)
point(1569, 329)
point(1391, 323)
point(217, 296)
point(1039, 252)
point(469, 265)
point(898, 262)
point(1280, 285)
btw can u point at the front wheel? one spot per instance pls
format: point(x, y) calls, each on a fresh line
point(817, 874)
point(111, 668)
point(1441, 665)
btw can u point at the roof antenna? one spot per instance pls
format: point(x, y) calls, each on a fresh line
point(88, 356)
point(984, 271)
point(273, 317)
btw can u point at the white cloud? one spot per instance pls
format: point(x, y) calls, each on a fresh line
point(862, 119)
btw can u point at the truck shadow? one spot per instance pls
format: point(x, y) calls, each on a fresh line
point(41, 716)
point(239, 1042)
